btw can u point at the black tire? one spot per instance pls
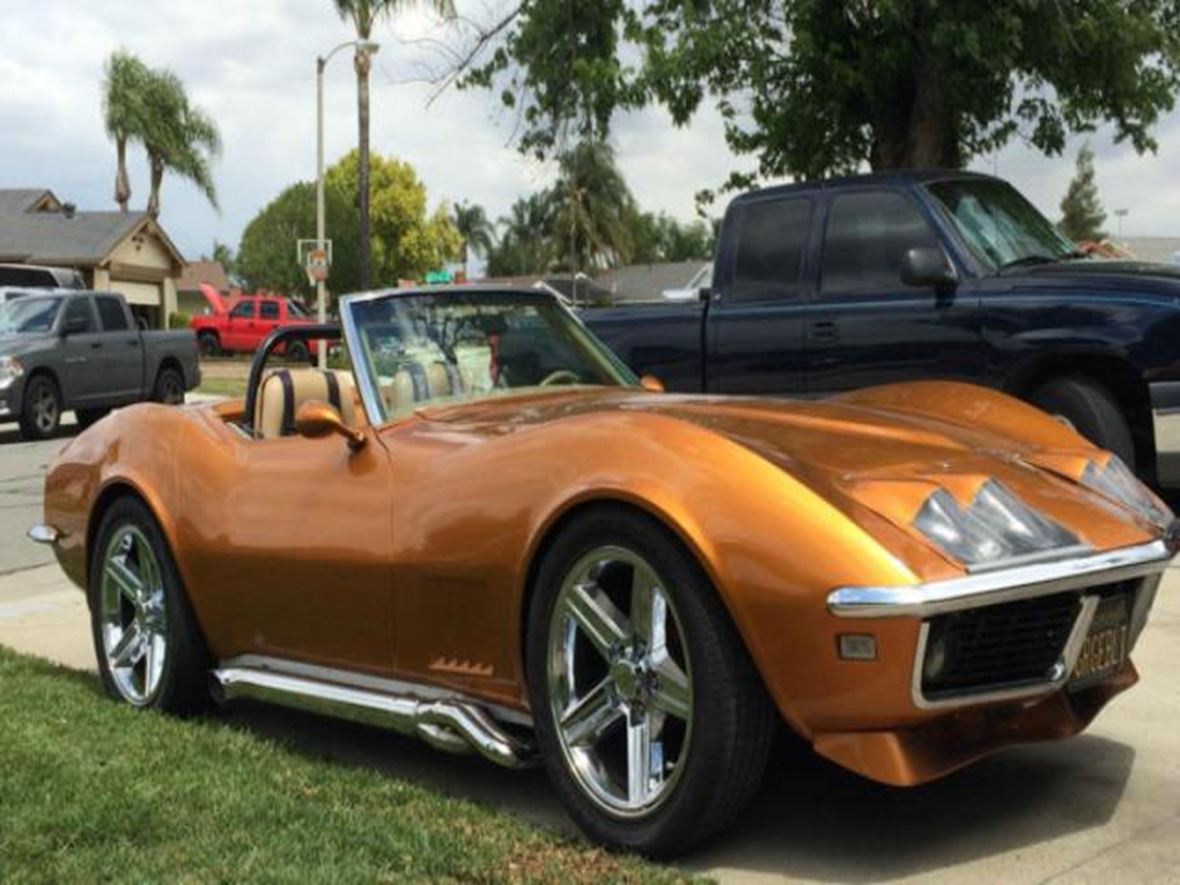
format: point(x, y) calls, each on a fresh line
point(209, 344)
point(733, 720)
point(86, 417)
point(41, 409)
point(183, 686)
point(1091, 410)
point(169, 387)
point(298, 352)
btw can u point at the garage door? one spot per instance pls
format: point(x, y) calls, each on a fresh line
point(145, 294)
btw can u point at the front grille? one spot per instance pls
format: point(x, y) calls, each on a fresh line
point(997, 645)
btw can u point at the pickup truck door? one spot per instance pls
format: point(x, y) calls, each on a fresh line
point(754, 322)
point(240, 333)
point(269, 316)
point(865, 326)
point(80, 352)
point(121, 361)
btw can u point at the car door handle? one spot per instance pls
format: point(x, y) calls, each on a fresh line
point(823, 331)
point(75, 360)
point(95, 345)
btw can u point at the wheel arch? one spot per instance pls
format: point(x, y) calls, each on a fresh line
point(1110, 371)
point(113, 490)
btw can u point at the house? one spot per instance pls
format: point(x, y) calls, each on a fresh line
point(125, 252)
point(579, 289)
point(648, 282)
point(188, 288)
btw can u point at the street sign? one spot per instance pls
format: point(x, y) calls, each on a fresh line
point(316, 258)
point(437, 277)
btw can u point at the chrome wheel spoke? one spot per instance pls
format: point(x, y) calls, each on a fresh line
point(597, 616)
point(134, 615)
point(129, 649)
point(638, 760)
point(672, 694)
point(127, 581)
point(588, 718)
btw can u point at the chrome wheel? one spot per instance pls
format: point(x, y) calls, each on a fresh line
point(133, 615)
point(619, 682)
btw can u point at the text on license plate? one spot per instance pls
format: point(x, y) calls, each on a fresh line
point(1105, 648)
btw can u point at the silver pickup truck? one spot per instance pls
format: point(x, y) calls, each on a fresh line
point(82, 351)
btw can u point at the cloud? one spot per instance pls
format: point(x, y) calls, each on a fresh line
point(251, 65)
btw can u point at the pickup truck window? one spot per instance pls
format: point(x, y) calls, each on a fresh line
point(79, 316)
point(25, 315)
point(111, 312)
point(243, 310)
point(998, 224)
point(772, 237)
point(269, 310)
point(867, 236)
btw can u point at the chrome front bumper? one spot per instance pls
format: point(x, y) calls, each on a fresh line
point(42, 533)
point(1165, 416)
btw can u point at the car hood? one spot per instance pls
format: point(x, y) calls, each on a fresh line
point(1126, 276)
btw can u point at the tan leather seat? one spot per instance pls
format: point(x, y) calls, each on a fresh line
point(416, 383)
point(284, 390)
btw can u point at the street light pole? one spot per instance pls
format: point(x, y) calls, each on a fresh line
point(321, 296)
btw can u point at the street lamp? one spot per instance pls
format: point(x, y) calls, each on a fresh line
point(365, 47)
point(1120, 214)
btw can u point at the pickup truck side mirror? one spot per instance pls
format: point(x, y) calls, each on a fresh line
point(928, 266)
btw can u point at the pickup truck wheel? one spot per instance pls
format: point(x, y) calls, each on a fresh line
point(41, 410)
point(1088, 408)
point(150, 650)
point(169, 387)
point(652, 722)
point(297, 352)
point(208, 344)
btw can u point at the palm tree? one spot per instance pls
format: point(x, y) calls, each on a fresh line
point(526, 245)
point(592, 209)
point(475, 228)
point(364, 14)
point(125, 112)
point(181, 138)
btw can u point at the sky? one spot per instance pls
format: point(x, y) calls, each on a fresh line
point(251, 65)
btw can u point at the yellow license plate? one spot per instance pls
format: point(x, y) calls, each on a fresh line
point(1105, 649)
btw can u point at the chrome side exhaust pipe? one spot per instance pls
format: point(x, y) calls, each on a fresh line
point(451, 725)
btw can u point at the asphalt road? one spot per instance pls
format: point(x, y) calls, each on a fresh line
point(1103, 807)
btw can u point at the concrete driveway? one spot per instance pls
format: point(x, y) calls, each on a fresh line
point(1103, 807)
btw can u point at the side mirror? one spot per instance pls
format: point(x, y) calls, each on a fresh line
point(316, 419)
point(928, 266)
point(652, 383)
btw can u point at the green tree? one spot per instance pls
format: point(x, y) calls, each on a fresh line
point(591, 205)
point(364, 14)
point(657, 238)
point(524, 246)
point(1081, 210)
point(224, 255)
point(407, 239)
point(125, 112)
point(476, 229)
point(814, 87)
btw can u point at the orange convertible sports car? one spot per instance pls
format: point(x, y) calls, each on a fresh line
point(489, 534)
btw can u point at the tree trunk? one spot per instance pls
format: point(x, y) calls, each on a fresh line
point(156, 163)
point(122, 183)
point(362, 63)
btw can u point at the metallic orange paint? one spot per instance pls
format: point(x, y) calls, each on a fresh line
point(410, 558)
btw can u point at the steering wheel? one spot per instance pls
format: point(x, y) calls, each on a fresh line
point(561, 376)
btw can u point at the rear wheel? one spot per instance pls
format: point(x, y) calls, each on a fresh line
point(149, 648)
point(297, 352)
point(169, 387)
point(209, 344)
point(1088, 408)
point(41, 409)
point(654, 726)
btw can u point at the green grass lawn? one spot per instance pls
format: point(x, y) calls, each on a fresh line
point(231, 387)
point(94, 791)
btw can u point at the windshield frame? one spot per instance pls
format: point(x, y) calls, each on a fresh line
point(985, 264)
point(369, 387)
point(25, 300)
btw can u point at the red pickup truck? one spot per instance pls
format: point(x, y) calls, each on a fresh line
point(243, 325)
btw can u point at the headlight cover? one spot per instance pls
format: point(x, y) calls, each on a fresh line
point(995, 529)
point(1115, 480)
point(10, 368)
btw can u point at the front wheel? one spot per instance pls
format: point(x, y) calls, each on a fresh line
point(1088, 408)
point(41, 410)
point(150, 651)
point(653, 724)
point(209, 344)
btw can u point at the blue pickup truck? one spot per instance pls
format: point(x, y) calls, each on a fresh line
point(826, 287)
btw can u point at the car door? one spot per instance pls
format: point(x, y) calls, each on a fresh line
point(239, 325)
point(754, 327)
point(269, 316)
point(865, 326)
point(121, 359)
point(81, 352)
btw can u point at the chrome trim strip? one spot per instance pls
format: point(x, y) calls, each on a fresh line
point(1003, 585)
point(445, 724)
point(1060, 674)
point(43, 533)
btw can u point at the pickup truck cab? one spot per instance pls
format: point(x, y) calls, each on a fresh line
point(81, 350)
point(832, 286)
point(248, 322)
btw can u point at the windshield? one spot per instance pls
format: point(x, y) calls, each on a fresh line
point(1000, 226)
point(454, 346)
point(28, 315)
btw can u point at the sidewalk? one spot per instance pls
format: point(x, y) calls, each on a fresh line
point(42, 613)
